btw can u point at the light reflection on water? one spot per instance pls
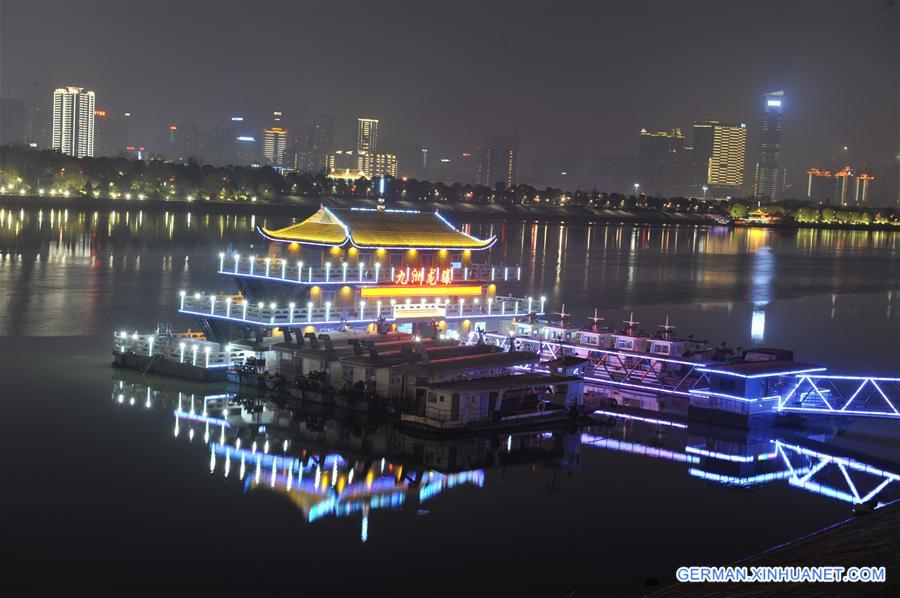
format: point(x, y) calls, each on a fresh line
point(826, 293)
point(355, 472)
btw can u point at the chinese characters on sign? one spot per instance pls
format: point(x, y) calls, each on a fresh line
point(431, 277)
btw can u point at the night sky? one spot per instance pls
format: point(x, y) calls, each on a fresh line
point(575, 79)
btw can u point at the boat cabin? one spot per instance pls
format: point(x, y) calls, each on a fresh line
point(379, 371)
point(416, 376)
point(746, 394)
point(461, 403)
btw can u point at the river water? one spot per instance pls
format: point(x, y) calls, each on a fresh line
point(98, 489)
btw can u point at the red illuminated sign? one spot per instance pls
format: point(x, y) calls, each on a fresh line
point(430, 277)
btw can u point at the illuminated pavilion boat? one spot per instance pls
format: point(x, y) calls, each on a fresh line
point(363, 269)
point(341, 272)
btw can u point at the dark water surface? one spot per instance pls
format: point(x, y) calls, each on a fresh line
point(100, 497)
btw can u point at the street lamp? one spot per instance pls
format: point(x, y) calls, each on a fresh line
point(705, 189)
point(636, 187)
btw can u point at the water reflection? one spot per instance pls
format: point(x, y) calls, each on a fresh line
point(335, 467)
point(763, 272)
point(342, 464)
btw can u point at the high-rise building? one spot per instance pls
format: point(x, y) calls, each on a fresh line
point(104, 144)
point(73, 121)
point(310, 151)
point(377, 165)
point(38, 124)
point(768, 169)
point(274, 145)
point(245, 151)
point(183, 142)
point(360, 164)
point(219, 145)
point(720, 151)
point(498, 160)
point(367, 135)
point(661, 162)
point(12, 121)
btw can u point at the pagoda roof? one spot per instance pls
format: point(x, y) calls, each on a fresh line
point(376, 229)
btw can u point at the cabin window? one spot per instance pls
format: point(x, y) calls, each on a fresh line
point(661, 348)
point(727, 384)
point(432, 398)
point(625, 343)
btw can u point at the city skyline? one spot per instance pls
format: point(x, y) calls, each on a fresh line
point(597, 87)
point(666, 166)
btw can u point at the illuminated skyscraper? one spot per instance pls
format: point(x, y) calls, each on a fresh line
point(498, 160)
point(768, 169)
point(377, 165)
point(73, 122)
point(367, 135)
point(719, 154)
point(274, 144)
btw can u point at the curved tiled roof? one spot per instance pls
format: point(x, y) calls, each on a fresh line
point(374, 229)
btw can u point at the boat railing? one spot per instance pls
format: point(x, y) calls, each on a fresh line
point(232, 308)
point(192, 349)
point(362, 273)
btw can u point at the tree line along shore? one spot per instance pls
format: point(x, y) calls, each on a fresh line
point(46, 178)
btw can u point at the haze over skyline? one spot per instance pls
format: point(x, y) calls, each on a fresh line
point(581, 80)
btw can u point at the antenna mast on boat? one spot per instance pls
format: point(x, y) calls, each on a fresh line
point(562, 315)
point(667, 328)
point(595, 321)
point(631, 323)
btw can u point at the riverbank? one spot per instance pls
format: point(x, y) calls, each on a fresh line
point(866, 540)
point(301, 207)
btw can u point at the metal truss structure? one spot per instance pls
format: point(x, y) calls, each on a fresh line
point(843, 395)
point(833, 476)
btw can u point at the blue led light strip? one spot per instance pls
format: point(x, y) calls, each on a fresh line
point(649, 420)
